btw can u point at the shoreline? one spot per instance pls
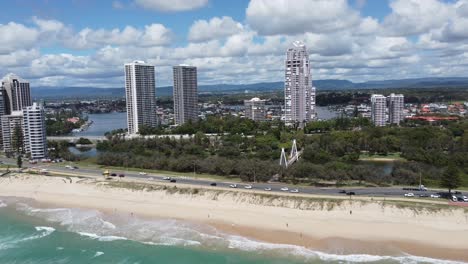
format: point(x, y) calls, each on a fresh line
point(356, 227)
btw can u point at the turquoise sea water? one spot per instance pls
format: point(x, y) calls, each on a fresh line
point(34, 234)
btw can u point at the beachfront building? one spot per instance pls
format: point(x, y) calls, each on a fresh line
point(185, 94)
point(140, 95)
point(255, 109)
point(12, 128)
point(17, 93)
point(395, 108)
point(299, 95)
point(378, 107)
point(34, 131)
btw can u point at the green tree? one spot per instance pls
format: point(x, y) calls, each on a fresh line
point(451, 178)
point(19, 161)
point(18, 140)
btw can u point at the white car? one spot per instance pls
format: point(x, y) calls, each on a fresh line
point(409, 194)
point(435, 196)
point(464, 198)
point(142, 173)
point(454, 198)
point(294, 190)
point(267, 189)
point(248, 187)
point(70, 167)
point(285, 189)
point(167, 178)
point(233, 186)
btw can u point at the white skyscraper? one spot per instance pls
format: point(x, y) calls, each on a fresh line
point(396, 104)
point(299, 95)
point(379, 105)
point(34, 130)
point(17, 93)
point(185, 93)
point(140, 93)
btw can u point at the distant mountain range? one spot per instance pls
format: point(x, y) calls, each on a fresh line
point(90, 92)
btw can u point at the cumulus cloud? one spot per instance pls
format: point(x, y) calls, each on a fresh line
point(341, 42)
point(172, 5)
point(215, 28)
point(15, 36)
point(271, 17)
point(410, 17)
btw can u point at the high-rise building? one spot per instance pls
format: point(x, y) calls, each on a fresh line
point(255, 109)
point(396, 104)
point(185, 94)
point(299, 95)
point(17, 93)
point(140, 94)
point(34, 130)
point(379, 105)
point(11, 125)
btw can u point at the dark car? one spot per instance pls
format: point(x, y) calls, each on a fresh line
point(121, 175)
point(114, 175)
point(342, 191)
point(350, 193)
point(423, 195)
point(213, 184)
point(172, 180)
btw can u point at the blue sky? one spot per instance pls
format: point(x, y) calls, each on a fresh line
point(86, 42)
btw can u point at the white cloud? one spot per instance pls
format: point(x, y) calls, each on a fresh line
point(410, 17)
point(215, 28)
point(172, 5)
point(271, 17)
point(15, 36)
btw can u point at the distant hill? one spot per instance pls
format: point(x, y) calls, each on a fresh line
point(90, 92)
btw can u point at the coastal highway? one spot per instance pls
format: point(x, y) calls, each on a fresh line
point(59, 168)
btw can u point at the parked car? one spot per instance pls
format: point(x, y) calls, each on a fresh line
point(248, 187)
point(350, 193)
point(409, 194)
point(172, 180)
point(142, 173)
point(114, 174)
point(454, 198)
point(213, 184)
point(465, 199)
point(285, 189)
point(267, 189)
point(233, 186)
point(121, 175)
point(435, 196)
point(294, 190)
point(423, 195)
point(167, 178)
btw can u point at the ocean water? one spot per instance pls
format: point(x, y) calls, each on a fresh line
point(34, 234)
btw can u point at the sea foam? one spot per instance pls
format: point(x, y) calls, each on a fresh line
point(97, 226)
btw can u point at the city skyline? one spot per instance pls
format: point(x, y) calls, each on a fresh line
point(238, 42)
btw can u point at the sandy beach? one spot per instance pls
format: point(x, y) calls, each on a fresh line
point(353, 226)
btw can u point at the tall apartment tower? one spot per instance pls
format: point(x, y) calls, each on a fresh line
point(255, 109)
point(10, 123)
point(185, 94)
point(34, 130)
point(299, 95)
point(396, 104)
point(140, 94)
point(379, 105)
point(17, 93)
